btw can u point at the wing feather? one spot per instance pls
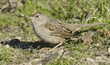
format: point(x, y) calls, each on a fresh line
point(58, 30)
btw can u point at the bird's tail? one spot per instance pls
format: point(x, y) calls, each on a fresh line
point(75, 27)
point(90, 25)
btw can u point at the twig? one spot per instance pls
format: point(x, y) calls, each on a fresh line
point(96, 18)
point(24, 22)
point(5, 7)
point(3, 29)
point(61, 56)
point(1, 22)
point(89, 14)
point(10, 4)
point(75, 19)
point(64, 11)
point(95, 10)
point(107, 9)
point(47, 59)
point(35, 4)
point(56, 46)
point(47, 7)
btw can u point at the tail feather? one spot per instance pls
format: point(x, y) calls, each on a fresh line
point(75, 27)
point(90, 25)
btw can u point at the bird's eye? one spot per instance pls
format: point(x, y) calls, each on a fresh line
point(37, 16)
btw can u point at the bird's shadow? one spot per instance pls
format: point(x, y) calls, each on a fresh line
point(16, 43)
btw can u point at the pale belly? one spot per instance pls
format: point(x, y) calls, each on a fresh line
point(44, 34)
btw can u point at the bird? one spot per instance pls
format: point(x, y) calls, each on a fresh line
point(55, 31)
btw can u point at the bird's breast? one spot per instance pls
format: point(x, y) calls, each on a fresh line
point(44, 34)
point(41, 32)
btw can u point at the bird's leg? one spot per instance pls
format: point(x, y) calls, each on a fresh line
point(56, 46)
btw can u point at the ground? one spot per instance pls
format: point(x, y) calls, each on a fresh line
point(20, 46)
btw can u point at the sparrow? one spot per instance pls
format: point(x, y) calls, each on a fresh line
point(53, 30)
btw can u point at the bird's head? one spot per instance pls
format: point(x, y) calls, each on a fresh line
point(38, 18)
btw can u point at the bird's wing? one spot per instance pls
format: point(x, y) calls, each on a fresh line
point(58, 30)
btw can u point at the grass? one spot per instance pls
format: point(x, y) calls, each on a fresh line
point(60, 9)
